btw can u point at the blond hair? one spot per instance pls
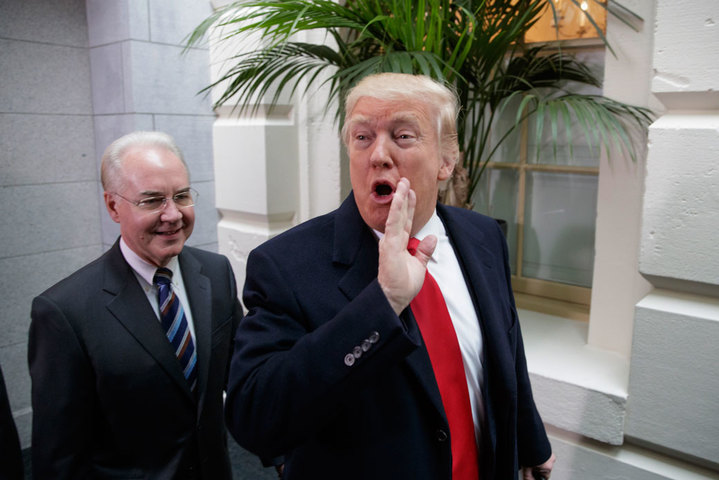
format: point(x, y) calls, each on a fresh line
point(401, 86)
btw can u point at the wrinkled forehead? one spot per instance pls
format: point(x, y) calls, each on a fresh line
point(370, 111)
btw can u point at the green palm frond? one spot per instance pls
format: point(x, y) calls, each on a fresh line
point(475, 45)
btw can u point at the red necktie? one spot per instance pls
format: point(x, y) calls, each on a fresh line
point(432, 316)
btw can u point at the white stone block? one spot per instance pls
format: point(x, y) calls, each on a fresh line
point(581, 459)
point(236, 240)
point(256, 169)
point(673, 390)
point(576, 387)
point(681, 200)
point(686, 58)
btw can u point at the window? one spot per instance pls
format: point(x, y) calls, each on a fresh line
point(549, 201)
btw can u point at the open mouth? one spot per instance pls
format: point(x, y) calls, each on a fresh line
point(383, 189)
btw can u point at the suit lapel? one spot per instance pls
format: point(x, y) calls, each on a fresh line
point(354, 248)
point(474, 257)
point(131, 308)
point(199, 293)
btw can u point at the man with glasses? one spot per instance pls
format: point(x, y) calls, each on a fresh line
point(128, 356)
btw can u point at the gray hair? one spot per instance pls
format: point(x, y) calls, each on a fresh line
point(402, 86)
point(110, 170)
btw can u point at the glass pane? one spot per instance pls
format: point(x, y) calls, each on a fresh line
point(496, 196)
point(560, 211)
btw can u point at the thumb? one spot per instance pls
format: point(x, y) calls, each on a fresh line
point(426, 248)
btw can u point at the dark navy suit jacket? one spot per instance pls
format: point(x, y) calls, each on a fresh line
point(313, 297)
point(108, 395)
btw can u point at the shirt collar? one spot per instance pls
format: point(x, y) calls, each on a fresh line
point(434, 226)
point(143, 269)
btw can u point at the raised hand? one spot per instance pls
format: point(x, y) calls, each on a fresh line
point(401, 274)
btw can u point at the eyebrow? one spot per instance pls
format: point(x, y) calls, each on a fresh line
point(398, 118)
point(154, 193)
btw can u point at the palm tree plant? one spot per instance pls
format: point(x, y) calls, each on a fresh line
point(475, 45)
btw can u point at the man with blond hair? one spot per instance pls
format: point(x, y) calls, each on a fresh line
point(382, 340)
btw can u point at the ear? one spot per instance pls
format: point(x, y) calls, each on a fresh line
point(446, 168)
point(111, 205)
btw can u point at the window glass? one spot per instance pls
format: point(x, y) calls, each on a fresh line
point(496, 196)
point(560, 211)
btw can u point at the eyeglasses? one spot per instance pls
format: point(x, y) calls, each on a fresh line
point(184, 199)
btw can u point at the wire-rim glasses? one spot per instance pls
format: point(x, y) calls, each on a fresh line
point(153, 204)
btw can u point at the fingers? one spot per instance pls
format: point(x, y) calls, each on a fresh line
point(400, 274)
point(401, 211)
point(409, 211)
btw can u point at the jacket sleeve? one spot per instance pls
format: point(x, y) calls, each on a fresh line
point(290, 372)
point(62, 395)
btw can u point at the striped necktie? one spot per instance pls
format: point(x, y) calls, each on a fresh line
point(435, 324)
point(173, 319)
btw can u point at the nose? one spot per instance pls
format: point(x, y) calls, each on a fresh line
point(381, 153)
point(170, 213)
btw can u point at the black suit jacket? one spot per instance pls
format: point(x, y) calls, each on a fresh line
point(313, 296)
point(11, 462)
point(108, 395)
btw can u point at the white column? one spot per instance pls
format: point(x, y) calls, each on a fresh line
point(273, 168)
point(256, 181)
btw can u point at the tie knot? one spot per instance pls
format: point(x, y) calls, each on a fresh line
point(412, 245)
point(163, 276)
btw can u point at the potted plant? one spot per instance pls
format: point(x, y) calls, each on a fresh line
point(476, 45)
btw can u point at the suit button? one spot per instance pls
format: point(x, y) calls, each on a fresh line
point(373, 337)
point(357, 352)
point(349, 359)
point(366, 345)
point(441, 435)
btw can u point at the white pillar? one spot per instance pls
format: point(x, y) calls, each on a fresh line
point(273, 168)
point(256, 181)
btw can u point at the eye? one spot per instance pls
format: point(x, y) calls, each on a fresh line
point(405, 137)
point(151, 202)
point(183, 198)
